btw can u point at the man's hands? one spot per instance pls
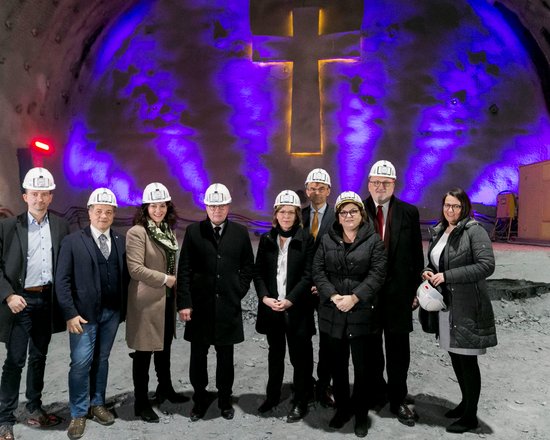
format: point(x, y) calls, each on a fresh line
point(185, 314)
point(16, 303)
point(74, 325)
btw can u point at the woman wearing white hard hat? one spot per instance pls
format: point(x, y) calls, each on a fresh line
point(282, 278)
point(349, 270)
point(151, 249)
point(460, 259)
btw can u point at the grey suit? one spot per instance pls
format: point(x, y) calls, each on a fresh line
point(35, 323)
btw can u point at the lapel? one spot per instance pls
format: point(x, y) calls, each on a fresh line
point(305, 217)
point(207, 233)
point(325, 222)
point(89, 243)
point(54, 232)
point(116, 245)
point(395, 224)
point(22, 231)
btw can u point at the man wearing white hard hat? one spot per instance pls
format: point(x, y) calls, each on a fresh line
point(214, 273)
point(398, 224)
point(318, 218)
point(29, 245)
point(91, 287)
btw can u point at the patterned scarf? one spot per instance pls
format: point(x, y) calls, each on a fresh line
point(166, 239)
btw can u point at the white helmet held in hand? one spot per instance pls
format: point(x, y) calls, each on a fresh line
point(155, 193)
point(383, 168)
point(429, 297)
point(318, 175)
point(217, 194)
point(348, 197)
point(38, 179)
point(287, 197)
point(102, 196)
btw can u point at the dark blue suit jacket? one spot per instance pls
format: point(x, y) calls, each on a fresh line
point(77, 279)
point(326, 223)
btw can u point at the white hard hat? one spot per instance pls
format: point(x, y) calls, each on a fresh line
point(155, 193)
point(429, 297)
point(39, 179)
point(318, 175)
point(348, 197)
point(102, 196)
point(217, 194)
point(287, 197)
point(383, 168)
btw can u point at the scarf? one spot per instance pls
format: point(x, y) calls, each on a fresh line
point(165, 238)
point(289, 233)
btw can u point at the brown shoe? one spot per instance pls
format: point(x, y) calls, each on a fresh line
point(76, 428)
point(102, 415)
point(6, 432)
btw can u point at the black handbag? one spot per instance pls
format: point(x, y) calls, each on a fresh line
point(429, 321)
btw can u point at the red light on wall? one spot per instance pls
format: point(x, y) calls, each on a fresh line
point(41, 147)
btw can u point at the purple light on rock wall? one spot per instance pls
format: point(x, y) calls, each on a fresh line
point(85, 167)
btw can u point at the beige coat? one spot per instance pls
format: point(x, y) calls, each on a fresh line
point(146, 293)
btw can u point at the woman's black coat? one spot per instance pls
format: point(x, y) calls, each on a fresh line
point(359, 270)
point(299, 317)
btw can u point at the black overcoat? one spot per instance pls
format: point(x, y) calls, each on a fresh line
point(212, 280)
point(14, 240)
point(299, 317)
point(359, 270)
point(405, 263)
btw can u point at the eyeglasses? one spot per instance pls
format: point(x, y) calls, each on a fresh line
point(217, 207)
point(289, 213)
point(448, 206)
point(351, 213)
point(377, 183)
point(319, 189)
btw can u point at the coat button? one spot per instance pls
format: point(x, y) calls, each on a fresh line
point(219, 256)
point(217, 276)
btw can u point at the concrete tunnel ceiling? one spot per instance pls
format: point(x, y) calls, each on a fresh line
point(135, 91)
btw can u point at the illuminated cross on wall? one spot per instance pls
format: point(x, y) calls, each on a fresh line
point(306, 37)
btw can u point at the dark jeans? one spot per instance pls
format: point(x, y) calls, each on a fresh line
point(301, 357)
point(396, 362)
point(31, 330)
point(340, 350)
point(225, 371)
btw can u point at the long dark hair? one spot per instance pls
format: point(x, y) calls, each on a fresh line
point(142, 216)
point(466, 210)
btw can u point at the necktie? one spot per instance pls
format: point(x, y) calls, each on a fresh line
point(380, 221)
point(217, 234)
point(103, 246)
point(315, 224)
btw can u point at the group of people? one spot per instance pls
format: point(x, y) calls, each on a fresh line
point(357, 264)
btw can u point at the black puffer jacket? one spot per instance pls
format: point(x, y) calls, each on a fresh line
point(467, 261)
point(359, 270)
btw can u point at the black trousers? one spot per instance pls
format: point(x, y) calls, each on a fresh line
point(300, 350)
point(31, 331)
point(323, 364)
point(396, 362)
point(142, 361)
point(468, 375)
point(339, 350)
point(225, 372)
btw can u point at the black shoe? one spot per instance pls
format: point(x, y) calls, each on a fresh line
point(404, 414)
point(202, 402)
point(296, 414)
point(228, 413)
point(361, 428)
point(170, 395)
point(147, 414)
point(197, 412)
point(463, 425)
point(455, 413)
point(268, 405)
point(340, 419)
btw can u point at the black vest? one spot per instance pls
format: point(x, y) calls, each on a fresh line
point(110, 279)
